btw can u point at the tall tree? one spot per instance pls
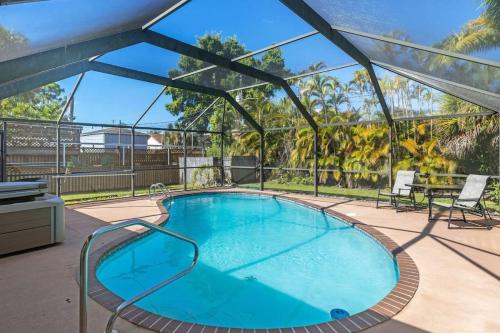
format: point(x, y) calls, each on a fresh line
point(318, 88)
point(471, 141)
point(11, 42)
point(42, 103)
point(187, 105)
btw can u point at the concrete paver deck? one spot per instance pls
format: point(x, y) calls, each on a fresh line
point(459, 288)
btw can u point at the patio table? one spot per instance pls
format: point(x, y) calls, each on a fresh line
point(432, 191)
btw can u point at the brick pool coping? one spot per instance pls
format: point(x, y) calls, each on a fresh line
point(385, 309)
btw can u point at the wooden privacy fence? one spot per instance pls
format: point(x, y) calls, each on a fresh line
point(151, 166)
point(96, 183)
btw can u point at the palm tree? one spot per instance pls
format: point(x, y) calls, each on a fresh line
point(314, 68)
point(480, 34)
point(461, 135)
point(362, 86)
point(426, 157)
point(339, 95)
point(386, 84)
point(246, 144)
point(312, 105)
point(361, 82)
point(259, 106)
point(429, 98)
point(303, 148)
point(319, 87)
point(370, 153)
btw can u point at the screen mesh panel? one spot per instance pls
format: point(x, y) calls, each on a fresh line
point(151, 59)
point(343, 95)
point(106, 99)
point(321, 54)
point(464, 72)
point(420, 22)
point(41, 25)
point(221, 78)
point(229, 19)
point(488, 100)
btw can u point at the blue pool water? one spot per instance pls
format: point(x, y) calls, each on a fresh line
point(264, 263)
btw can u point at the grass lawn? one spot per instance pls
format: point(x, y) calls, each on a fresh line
point(73, 198)
point(355, 193)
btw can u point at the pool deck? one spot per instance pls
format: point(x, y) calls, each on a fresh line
point(459, 289)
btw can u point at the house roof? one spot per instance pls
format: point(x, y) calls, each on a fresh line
point(115, 130)
point(157, 136)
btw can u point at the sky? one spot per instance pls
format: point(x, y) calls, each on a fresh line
point(256, 23)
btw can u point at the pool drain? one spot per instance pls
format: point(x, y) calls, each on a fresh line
point(339, 314)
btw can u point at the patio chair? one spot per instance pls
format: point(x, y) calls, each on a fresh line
point(469, 199)
point(400, 189)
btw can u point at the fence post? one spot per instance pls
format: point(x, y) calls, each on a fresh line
point(64, 155)
point(123, 154)
point(390, 156)
point(261, 157)
point(222, 175)
point(222, 171)
point(58, 159)
point(316, 163)
point(185, 161)
point(132, 162)
point(4, 152)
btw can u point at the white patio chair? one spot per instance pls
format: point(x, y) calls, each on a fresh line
point(469, 199)
point(400, 189)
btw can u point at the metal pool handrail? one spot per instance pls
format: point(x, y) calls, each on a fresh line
point(159, 187)
point(84, 254)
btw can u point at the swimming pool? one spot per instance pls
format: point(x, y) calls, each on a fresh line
point(264, 262)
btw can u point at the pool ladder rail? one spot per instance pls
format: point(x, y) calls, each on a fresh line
point(84, 254)
point(159, 189)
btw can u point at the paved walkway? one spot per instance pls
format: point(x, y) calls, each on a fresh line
point(459, 287)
